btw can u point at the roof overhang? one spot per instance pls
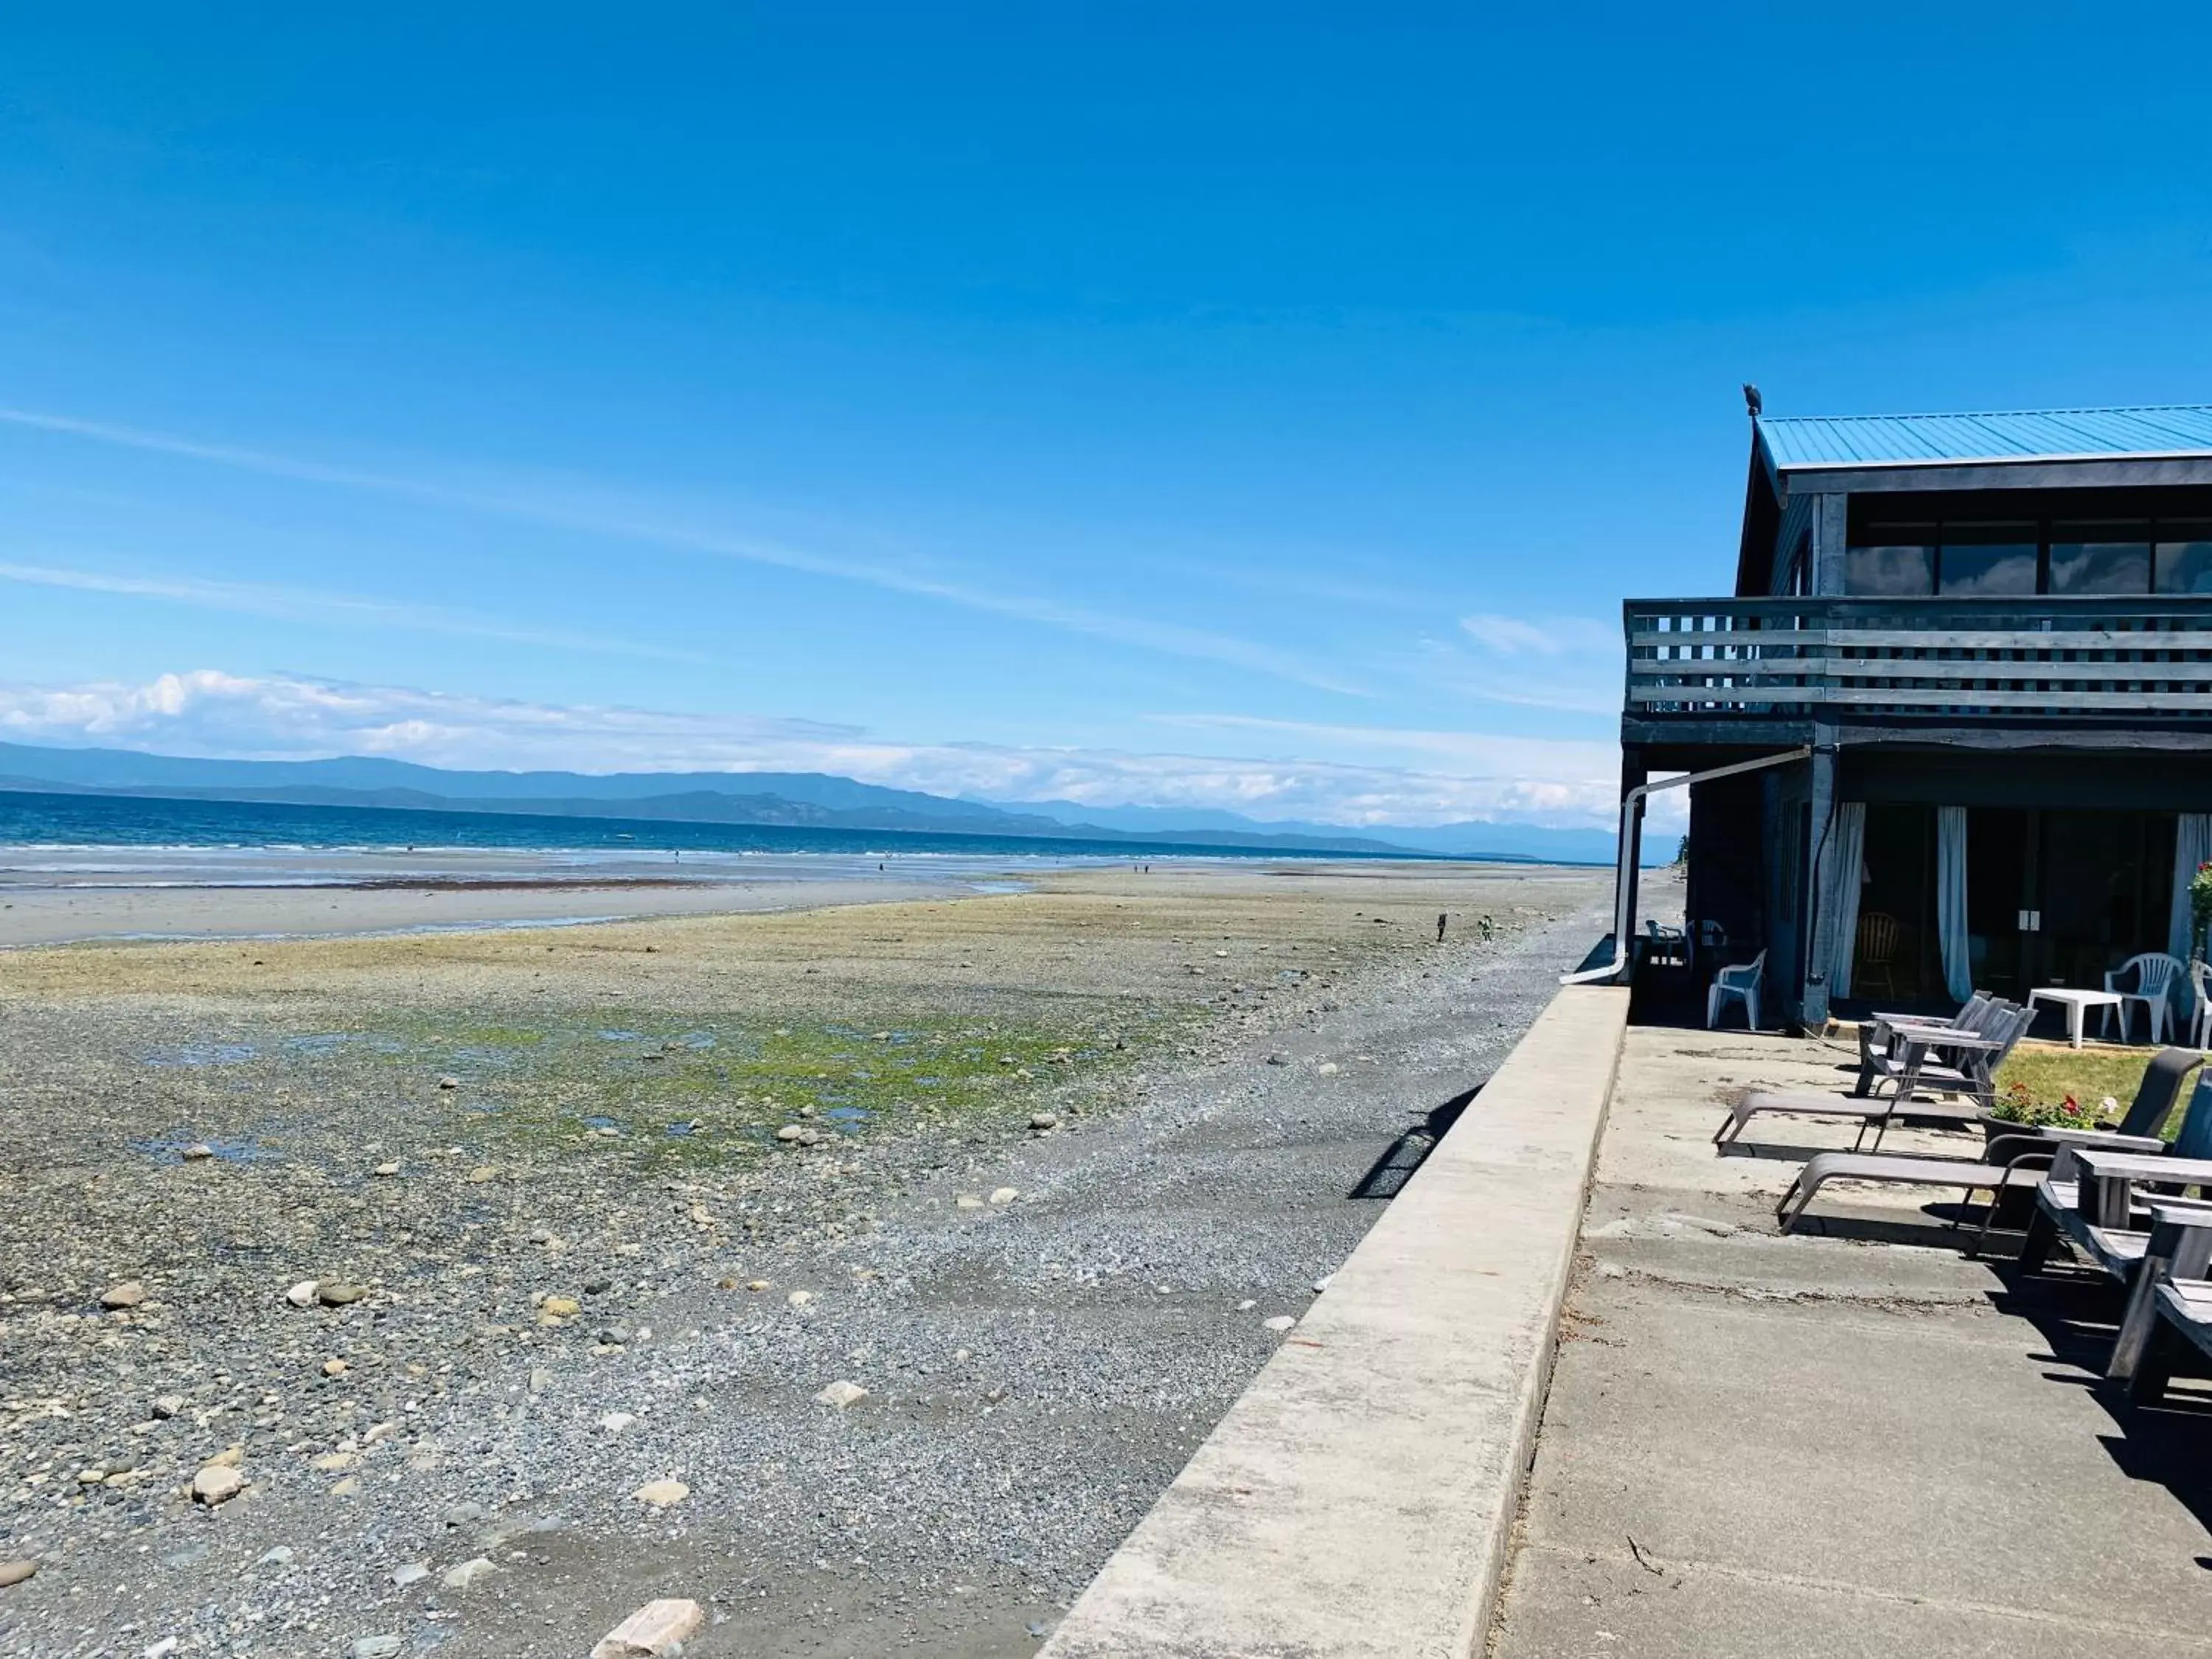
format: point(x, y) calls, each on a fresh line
point(2037, 472)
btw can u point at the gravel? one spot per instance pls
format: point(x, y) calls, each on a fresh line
point(1005, 1383)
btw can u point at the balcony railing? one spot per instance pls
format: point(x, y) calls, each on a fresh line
point(2112, 660)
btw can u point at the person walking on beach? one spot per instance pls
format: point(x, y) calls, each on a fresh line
point(1441, 919)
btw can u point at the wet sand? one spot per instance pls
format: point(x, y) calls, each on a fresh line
point(30, 916)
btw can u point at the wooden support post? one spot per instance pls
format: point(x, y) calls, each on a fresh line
point(1830, 529)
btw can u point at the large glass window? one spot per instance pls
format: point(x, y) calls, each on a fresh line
point(2007, 550)
point(2185, 558)
point(1897, 561)
point(2100, 558)
point(1987, 560)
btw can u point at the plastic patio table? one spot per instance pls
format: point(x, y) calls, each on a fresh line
point(2077, 1002)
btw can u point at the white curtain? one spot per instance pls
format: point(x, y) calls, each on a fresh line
point(1951, 901)
point(1842, 861)
point(2192, 846)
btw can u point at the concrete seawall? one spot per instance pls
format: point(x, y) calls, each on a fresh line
point(1358, 1498)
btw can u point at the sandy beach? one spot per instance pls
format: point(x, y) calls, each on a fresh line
point(456, 1246)
point(67, 915)
point(59, 895)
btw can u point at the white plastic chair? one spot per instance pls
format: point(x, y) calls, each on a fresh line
point(1741, 983)
point(2200, 981)
point(2155, 973)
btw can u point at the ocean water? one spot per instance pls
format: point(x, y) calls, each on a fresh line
point(139, 841)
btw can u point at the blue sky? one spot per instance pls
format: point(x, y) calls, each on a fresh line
point(1263, 407)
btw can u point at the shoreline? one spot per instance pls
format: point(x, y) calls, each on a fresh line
point(195, 907)
point(38, 918)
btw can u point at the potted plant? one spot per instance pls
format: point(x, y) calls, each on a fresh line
point(2018, 1112)
point(2200, 909)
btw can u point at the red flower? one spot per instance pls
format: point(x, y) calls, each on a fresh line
point(2073, 1105)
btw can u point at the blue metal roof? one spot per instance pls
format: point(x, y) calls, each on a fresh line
point(2036, 435)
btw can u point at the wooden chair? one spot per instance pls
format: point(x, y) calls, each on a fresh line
point(1878, 936)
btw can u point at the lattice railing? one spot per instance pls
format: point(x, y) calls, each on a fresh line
point(2057, 659)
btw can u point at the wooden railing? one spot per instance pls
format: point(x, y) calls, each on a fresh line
point(2106, 659)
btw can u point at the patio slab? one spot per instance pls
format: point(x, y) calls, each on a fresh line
point(1855, 1441)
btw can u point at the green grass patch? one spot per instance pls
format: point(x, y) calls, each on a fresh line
point(707, 1091)
point(2088, 1074)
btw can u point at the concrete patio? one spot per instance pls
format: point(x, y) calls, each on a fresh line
point(1856, 1441)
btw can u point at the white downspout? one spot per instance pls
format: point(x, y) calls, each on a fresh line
point(1631, 825)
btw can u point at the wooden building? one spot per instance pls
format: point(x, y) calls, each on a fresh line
point(1992, 635)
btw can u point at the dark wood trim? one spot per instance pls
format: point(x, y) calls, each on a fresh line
point(2091, 474)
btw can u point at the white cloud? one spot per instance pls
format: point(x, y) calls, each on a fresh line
point(209, 713)
point(598, 512)
point(1545, 636)
point(265, 599)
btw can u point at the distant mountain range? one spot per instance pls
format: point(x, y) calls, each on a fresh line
point(814, 800)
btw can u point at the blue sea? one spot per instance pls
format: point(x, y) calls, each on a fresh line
point(109, 840)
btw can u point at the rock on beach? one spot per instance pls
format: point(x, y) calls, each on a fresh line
point(656, 1631)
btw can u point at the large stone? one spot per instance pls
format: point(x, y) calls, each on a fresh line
point(662, 1494)
point(1003, 1196)
point(468, 1572)
point(379, 1647)
point(656, 1631)
point(842, 1394)
point(302, 1295)
point(560, 1307)
point(14, 1573)
point(336, 1293)
point(128, 1294)
point(218, 1483)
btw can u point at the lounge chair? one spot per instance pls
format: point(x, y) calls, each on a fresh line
point(2177, 1246)
point(2007, 1157)
point(1974, 1056)
point(2178, 1315)
point(2058, 1211)
point(1878, 1033)
point(1875, 1115)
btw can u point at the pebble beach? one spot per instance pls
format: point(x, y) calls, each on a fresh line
point(860, 1271)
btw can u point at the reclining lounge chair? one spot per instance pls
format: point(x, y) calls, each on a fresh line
point(2008, 1157)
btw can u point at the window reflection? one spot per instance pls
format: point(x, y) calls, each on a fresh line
point(1984, 561)
point(2184, 558)
point(2016, 558)
point(2100, 558)
point(1901, 569)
